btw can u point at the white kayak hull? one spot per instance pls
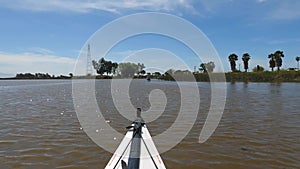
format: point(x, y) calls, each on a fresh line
point(148, 156)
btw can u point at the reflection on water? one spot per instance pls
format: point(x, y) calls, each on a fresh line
point(259, 129)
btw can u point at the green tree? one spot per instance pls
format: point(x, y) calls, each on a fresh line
point(297, 59)
point(246, 58)
point(156, 74)
point(202, 68)
point(232, 59)
point(114, 67)
point(108, 67)
point(128, 69)
point(103, 66)
point(99, 66)
point(278, 58)
point(141, 68)
point(272, 62)
point(142, 72)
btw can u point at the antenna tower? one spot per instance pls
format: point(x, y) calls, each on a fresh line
point(89, 62)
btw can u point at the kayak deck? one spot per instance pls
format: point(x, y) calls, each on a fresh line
point(137, 150)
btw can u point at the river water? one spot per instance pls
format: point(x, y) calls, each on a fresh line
point(260, 127)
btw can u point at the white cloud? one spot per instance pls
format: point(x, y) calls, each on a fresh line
point(42, 51)
point(114, 6)
point(13, 63)
point(272, 10)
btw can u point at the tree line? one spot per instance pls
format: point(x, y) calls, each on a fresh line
point(127, 70)
point(124, 70)
point(41, 76)
point(275, 60)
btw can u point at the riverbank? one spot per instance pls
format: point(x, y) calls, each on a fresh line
point(52, 78)
point(267, 76)
point(276, 76)
point(36, 76)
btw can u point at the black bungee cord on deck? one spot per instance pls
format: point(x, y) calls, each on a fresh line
point(133, 161)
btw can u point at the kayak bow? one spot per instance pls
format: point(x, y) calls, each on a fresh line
point(137, 149)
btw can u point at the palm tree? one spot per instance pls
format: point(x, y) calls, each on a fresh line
point(232, 58)
point(246, 58)
point(272, 62)
point(297, 59)
point(278, 55)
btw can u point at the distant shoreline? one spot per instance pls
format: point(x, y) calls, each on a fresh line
point(14, 78)
point(276, 76)
point(36, 76)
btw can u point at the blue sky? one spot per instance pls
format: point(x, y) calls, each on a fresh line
point(46, 36)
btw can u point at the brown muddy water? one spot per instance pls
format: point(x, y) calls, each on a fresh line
point(260, 127)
